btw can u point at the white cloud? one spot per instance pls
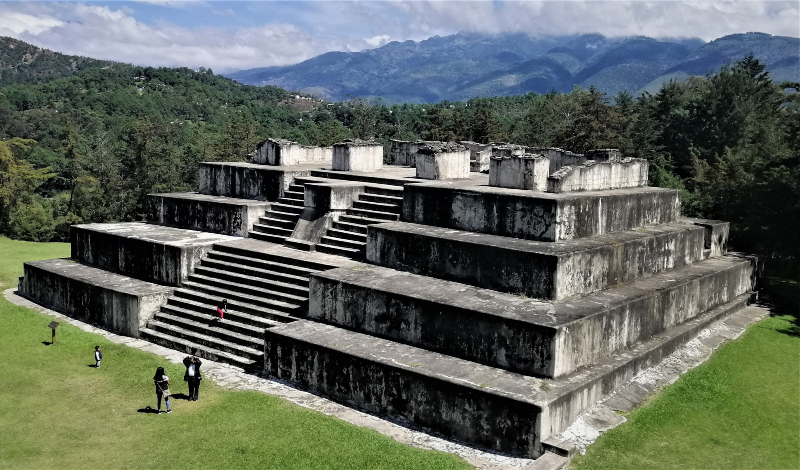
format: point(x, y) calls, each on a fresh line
point(15, 23)
point(377, 41)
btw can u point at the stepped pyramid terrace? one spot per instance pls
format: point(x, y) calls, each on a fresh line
point(489, 293)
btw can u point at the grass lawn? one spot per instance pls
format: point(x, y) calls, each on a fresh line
point(741, 409)
point(56, 412)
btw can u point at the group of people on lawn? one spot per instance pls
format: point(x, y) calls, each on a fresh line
point(192, 377)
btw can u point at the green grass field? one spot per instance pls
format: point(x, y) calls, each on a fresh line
point(739, 410)
point(56, 412)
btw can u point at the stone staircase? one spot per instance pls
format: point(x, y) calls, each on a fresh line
point(263, 290)
point(279, 222)
point(348, 235)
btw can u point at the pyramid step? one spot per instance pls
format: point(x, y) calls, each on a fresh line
point(267, 237)
point(287, 208)
point(199, 350)
point(281, 216)
point(377, 207)
point(227, 329)
point(297, 188)
point(268, 221)
point(224, 277)
point(273, 300)
point(270, 290)
point(241, 312)
point(385, 190)
point(298, 262)
point(356, 236)
point(370, 214)
point(344, 242)
point(254, 271)
point(265, 264)
point(206, 340)
point(359, 220)
point(393, 200)
point(292, 202)
point(340, 250)
point(298, 195)
point(350, 227)
point(266, 308)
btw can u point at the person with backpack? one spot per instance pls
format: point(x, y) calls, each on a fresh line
point(162, 388)
point(98, 356)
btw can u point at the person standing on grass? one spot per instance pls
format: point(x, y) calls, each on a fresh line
point(98, 356)
point(162, 388)
point(192, 375)
point(222, 308)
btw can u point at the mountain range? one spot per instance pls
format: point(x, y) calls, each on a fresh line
point(468, 65)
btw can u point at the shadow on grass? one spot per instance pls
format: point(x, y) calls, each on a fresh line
point(46, 343)
point(180, 396)
point(782, 296)
point(147, 409)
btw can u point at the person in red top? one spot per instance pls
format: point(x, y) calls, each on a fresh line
point(222, 308)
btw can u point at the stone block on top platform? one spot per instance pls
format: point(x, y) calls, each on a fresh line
point(229, 216)
point(404, 152)
point(148, 252)
point(357, 155)
point(528, 172)
point(599, 175)
point(442, 161)
point(119, 303)
point(536, 215)
point(248, 180)
point(282, 152)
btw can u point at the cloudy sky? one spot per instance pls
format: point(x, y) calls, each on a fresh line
point(232, 35)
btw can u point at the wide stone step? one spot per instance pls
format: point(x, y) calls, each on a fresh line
point(545, 270)
point(271, 300)
point(287, 208)
point(463, 400)
point(297, 188)
point(350, 227)
point(371, 214)
point(241, 312)
point(344, 242)
point(356, 236)
point(384, 190)
point(359, 220)
point(295, 293)
point(227, 329)
point(206, 340)
point(293, 260)
point(260, 272)
point(516, 333)
point(227, 277)
point(271, 222)
point(267, 265)
point(200, 350)
point(392, 200)
point(377, 207)
point(340, 250)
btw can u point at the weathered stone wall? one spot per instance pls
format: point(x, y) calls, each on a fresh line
point(403, 152)
point(596, 176)
point(519, 172)
point(147, 252)
point(246, 180)
point(357, 156)
point(341, 369)
point(558, 157)
point(479, 155)
point(119, 303)
point(536, 269)
point(538, 216)
point(216, 214)
point(443, 161)
point(281, 152)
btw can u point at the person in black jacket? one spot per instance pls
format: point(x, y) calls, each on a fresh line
point(192, 375)
point(162, 388)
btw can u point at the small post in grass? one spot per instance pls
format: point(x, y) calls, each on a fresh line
point(53, 325)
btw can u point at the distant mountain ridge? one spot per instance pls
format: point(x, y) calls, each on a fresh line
point(467, 65)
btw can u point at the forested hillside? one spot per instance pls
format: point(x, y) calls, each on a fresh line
point(21, 62)
point(90, 147)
